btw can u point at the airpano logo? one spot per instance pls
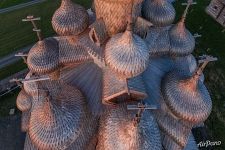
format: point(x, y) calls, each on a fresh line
point(208, 143)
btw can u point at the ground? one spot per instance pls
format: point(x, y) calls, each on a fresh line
point(8, 3)
point(17, 34)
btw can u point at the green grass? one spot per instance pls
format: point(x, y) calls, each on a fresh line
point(12, 69)
point(8, 3)
point(212, 42)
point(8, 102)
point(16, 34)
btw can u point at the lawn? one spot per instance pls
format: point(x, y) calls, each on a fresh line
point(16, 34)
point(12, 69)
point(8, 3)
point(8, 102)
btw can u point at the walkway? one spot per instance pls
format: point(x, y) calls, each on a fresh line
point(4, 10)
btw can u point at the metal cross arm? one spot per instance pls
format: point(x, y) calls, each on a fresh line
point(207, 58)
point(31, 18)
point(141, 106)
point(24, 56)
point(37, 30)
point(204, 60)
point(189, 2)
point(196, 35)
point(30, 80)
point(21, 55)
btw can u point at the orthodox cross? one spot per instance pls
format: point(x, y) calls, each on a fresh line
point(32, 20)
point(203, 61)
point(24, 56)
point(140, 107)
point(189, 2)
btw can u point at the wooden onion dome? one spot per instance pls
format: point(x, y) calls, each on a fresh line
point(117, 131)
point(56, 117)
point(70, 19)
point(186, 65)
point(187, 97)
point(23, 101)
point(158, 12)
point(126, 53)
point(44, 56)
point(182, 42)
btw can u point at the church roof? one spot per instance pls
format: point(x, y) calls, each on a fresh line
point(188, 98)
point(120, 120)
point(158, 12)
point(70, 19)
point(23, 101)
point(44, 56)
point(182, 41)
point(71, 51)
point(74, 75)
point(126, 54)
point(56, 119)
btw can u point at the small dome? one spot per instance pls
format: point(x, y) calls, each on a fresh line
point(23, 101)
point(70, 19)
point(44, 56)
point(144, 136)
point(62, 111)
point(186, 65)
point(158, 12)
point(187, 97)
point(182, 42)
point(127, 54)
